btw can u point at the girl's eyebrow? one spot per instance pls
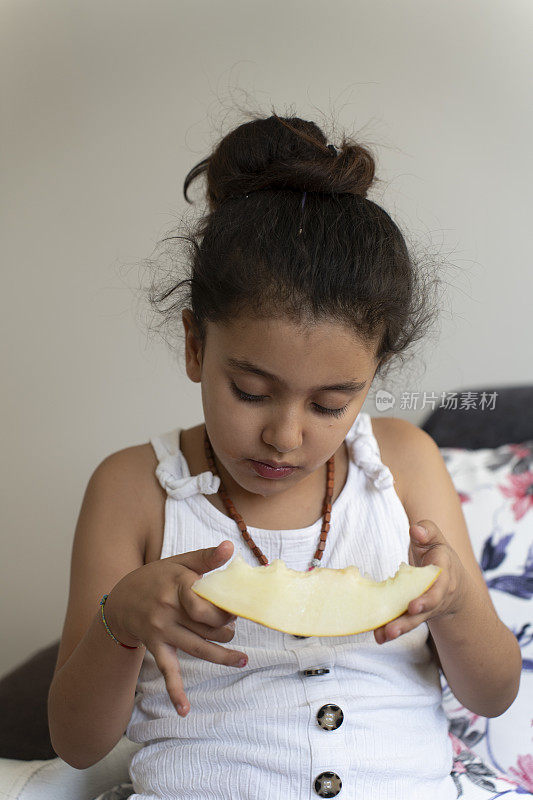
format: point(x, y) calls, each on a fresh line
point(247, 366)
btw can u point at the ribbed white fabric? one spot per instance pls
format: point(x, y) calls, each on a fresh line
point(252, 733)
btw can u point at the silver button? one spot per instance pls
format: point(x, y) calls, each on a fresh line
point(328, 784)
point(330, 717)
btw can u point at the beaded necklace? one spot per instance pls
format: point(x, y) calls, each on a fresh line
point(234, 514)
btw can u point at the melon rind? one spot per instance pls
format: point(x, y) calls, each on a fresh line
point(320, 602)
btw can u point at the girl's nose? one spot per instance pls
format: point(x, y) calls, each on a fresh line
point(283, 435)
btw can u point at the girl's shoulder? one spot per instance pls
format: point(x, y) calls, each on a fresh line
point(144, 463)
point(135, 466)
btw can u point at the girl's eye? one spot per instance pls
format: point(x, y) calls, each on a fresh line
point(256, 398)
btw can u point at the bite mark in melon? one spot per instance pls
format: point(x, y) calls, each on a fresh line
point(321, 602)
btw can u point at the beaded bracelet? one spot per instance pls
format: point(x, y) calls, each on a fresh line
point(127, 646)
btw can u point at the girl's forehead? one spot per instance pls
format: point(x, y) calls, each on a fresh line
point(282, 339)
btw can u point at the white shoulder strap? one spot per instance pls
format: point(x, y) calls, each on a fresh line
point(166, 444)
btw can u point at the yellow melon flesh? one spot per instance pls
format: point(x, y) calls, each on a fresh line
point(322, 602)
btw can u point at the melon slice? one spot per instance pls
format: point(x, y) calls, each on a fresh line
point(321, 602)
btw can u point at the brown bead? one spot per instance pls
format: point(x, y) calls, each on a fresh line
point(323, 536)
point(321, 546)
point(327, 516)
point(241, 526)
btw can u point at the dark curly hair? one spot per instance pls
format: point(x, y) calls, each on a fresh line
point(262, 252)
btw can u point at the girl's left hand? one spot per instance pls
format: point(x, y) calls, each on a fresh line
point(444, 596)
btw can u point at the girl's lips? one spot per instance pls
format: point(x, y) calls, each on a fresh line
point(266, 471)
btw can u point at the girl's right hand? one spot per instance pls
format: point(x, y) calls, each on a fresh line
point(155, 605)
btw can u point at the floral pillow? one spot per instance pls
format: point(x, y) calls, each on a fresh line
point(495, 755)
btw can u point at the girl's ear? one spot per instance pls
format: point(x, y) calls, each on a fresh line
point(193, 346)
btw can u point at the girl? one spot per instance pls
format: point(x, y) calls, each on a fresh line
point(301, 291)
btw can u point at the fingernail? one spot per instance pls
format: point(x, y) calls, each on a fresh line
point(243, 662)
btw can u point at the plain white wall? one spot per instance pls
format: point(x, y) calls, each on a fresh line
point(108, 105)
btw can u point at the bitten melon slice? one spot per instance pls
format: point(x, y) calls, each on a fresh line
point(321, 602)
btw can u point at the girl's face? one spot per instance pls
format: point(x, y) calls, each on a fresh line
point(265, 395)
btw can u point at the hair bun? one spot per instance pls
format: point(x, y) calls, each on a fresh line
point(283, 153)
